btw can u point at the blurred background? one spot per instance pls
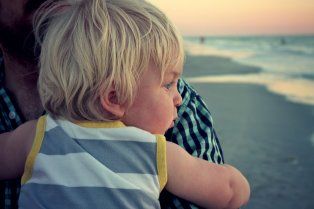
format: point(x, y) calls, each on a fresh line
point(253, 63)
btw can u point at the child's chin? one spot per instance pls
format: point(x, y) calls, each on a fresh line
point(160, 132)
point(171, 125)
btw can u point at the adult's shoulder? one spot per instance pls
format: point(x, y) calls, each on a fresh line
point(190, 96)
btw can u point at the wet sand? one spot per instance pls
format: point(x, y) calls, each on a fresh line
point(214, 65)
point(270, 139)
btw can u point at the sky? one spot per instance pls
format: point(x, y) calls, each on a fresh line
point(240, 17)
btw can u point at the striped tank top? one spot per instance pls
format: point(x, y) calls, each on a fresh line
point(93, 165)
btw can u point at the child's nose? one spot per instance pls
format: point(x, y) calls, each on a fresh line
point(177, 99)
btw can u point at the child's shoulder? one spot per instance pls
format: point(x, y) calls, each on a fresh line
point(137, 134)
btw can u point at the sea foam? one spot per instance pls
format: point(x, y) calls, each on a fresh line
point(287, 67)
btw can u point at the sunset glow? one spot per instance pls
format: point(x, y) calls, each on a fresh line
point(240, 17)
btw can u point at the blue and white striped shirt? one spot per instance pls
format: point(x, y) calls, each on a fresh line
point(93, 165)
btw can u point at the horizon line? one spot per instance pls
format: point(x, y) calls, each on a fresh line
point(250, 35)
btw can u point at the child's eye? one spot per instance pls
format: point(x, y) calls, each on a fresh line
point(168, 85)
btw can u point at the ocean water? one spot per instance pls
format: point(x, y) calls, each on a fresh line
point(287, 62)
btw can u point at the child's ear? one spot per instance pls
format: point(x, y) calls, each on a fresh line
point(109, 102)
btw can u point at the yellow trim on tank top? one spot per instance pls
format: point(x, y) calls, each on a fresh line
point(40, 130)
point(161, 161)
point(101, 124)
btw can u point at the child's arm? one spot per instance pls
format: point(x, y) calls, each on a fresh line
point(14, 148)
point(207, 184)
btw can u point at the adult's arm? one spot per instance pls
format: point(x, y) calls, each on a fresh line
point(14, 148)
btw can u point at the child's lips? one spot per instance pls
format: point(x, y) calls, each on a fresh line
point(172, 123)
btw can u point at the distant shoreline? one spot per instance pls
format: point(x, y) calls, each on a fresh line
point(204, 65)
point(223, 69)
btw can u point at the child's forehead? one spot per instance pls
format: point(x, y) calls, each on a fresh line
point(175, 71)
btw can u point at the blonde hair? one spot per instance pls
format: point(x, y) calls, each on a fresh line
point(90, 46)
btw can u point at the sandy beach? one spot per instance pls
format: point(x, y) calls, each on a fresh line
point(270, 139)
